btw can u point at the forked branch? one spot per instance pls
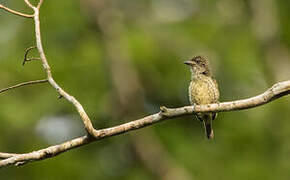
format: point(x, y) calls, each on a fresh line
point(26, 59)
point(276, 91)
point(85, 118)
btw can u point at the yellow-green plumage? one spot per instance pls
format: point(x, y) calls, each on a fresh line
point(203, 89)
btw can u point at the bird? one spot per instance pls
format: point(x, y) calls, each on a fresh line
point(203, 89)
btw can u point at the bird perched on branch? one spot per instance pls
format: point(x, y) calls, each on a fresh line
point(203, 89)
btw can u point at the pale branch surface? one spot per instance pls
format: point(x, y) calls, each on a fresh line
point(16, 12)
point(86, 120)
point(23, 84)
point(276, 91)
point(30, 5)
point(7, 155)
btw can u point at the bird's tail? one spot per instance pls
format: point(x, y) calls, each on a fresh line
point(207, 122)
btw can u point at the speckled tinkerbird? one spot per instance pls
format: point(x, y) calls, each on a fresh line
point(203, 89)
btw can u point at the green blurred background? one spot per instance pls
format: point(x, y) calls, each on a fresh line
point(122, 59)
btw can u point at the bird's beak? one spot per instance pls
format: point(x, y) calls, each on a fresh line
point(188, 63)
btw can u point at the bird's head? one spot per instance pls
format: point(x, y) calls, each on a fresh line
point(199, 65)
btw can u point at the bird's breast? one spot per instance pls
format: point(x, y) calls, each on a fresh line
point(203, 91)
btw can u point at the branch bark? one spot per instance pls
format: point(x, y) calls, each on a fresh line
point(85, 118)
point(276, 91)
point(23, 84)
point(16, 12)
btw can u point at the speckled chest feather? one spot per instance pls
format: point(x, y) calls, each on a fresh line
point(203, 90)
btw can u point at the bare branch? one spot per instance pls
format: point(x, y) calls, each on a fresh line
point(16, 12)
point(276, 91)
point(23, 84)
point(26, 54)
point(7, 155)
point(30, 59)
point(39, 4)
point(29, 4)
point(85, 118)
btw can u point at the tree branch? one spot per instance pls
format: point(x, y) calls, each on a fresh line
point(85, 118)
point(23, 84)
point(29, 4)
point(39, 4)
point(16, 12)
point(276, 91)
point(7, 155)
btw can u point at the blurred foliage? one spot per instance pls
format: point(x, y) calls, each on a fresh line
point(247, 43)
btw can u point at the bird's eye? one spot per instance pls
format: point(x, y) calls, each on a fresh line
point(199, 62)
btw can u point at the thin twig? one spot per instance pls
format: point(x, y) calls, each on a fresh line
point(39, 4)
point(23, 84)
point(85, 118)
point(30, 59)
point(16, 12)
point(276, 91)
point(26, 54)
point(29, 4)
